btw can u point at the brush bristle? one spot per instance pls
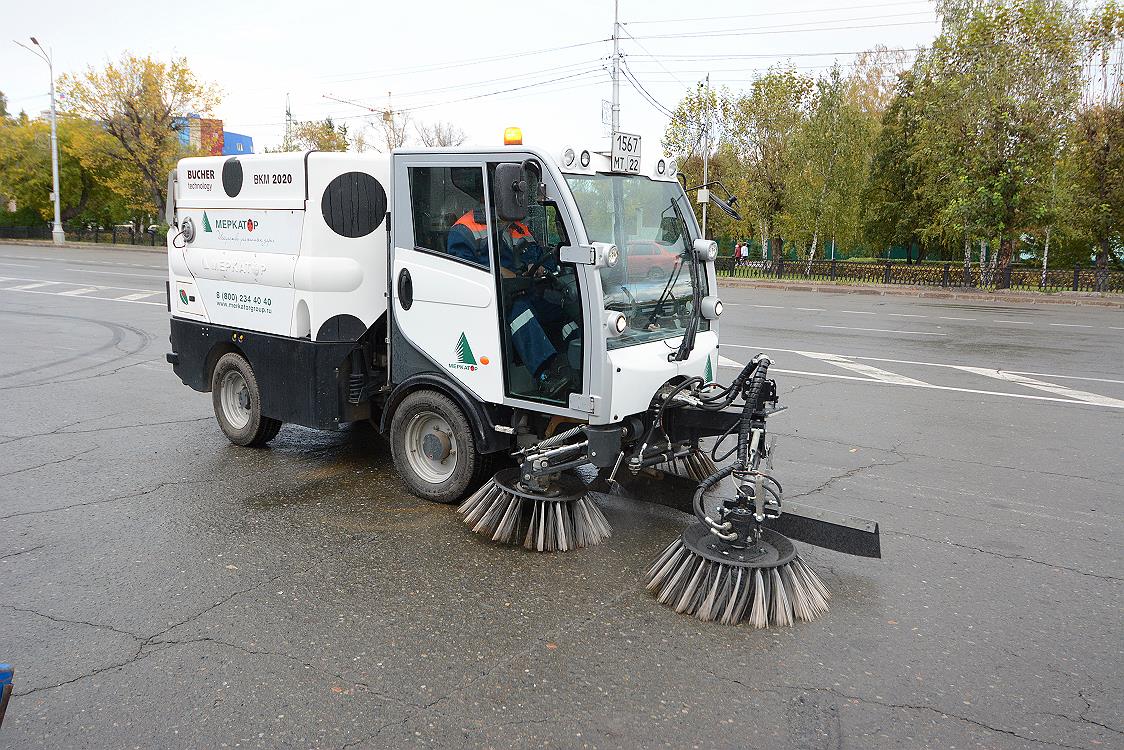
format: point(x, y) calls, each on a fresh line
point(712, 591)
point(695, 465)
point(544, 525)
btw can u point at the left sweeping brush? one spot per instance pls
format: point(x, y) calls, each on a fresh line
point(561, 517)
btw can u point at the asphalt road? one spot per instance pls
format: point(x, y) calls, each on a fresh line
point(161, 588)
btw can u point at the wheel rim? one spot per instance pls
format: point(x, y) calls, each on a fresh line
point(431, 447)
point(234, 395)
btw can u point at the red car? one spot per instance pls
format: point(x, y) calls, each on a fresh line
point(648, 259)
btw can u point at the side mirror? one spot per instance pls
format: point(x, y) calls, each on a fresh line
point(727, 207)
point(513, 190)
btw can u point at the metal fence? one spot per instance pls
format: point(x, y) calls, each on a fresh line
point(1076, 279)
point(121, 234)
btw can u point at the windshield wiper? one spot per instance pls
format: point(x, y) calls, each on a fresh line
point(687, 345)
point(657, 310)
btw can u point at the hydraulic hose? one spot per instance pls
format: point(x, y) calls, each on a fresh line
point(749, 409)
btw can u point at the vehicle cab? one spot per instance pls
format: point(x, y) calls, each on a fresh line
point(608, 265)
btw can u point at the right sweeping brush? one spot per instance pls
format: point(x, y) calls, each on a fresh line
point(731, 567)
point(764, 582)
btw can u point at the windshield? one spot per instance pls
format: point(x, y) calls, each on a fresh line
point(651, 284)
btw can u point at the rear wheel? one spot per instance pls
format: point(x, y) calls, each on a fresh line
point(435, 449)
point(237, 401)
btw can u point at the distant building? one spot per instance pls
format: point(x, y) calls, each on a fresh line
point(236, 144)
point(207, 135)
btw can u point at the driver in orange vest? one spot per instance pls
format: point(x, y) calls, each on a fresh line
point(519, 254)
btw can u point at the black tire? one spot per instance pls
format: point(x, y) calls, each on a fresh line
point(470, 469)
point(243, 424)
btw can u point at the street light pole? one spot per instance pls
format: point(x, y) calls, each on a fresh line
point(57, 233)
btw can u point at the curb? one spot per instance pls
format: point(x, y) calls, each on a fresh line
point(1061, 298)
point(162, 249)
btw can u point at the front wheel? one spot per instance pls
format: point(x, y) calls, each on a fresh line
point(237, 401)
point(434, 448)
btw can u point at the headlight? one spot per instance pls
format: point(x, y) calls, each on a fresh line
point(568, 157)
point(585, 159)
point(615, 323)
point(661, 167)
point(706, 250)
point(711, 307)
point(612, 256)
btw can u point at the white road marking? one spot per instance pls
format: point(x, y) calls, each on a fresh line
point(75, 292)
point(1116, 328)
point(1081, 398)
point(1020, 322)
point(18, 265)
point(1071, 325)
point(857, 312)
point(811, 309)
point(1067, 377)
point(99, 299)
point(36, 285)
point(949, 317)
point(1059, 390)
point(117, 273)
point(926, 364)
point(883, 330)
point(138, 295)
point(75, 283)
point(906, 315)
point(774, 307)
point(868, 370)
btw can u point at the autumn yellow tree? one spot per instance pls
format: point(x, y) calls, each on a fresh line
point(136, 101)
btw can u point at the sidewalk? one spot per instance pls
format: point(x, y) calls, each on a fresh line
point(160, 247)
point(897, 290)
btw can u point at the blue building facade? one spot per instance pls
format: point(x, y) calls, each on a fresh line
point(236, 144)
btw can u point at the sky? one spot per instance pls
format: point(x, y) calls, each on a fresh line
point(480, 65)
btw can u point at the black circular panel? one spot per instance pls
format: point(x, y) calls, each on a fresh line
point(232, 177)
point(354, 204)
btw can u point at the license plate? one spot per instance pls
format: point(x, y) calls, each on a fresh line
point(625, 153)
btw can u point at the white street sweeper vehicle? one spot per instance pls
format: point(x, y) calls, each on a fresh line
point(498, 309)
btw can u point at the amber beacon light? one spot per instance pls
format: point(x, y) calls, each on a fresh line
point(513, 137)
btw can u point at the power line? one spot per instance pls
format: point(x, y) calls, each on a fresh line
point(779, 30)
point(518, 76)
point(774, 13)
point(645, 93)
point(430, 67)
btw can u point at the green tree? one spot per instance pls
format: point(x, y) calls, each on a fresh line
point(1004, 79)
point(316, 135)
point(136, 101)
point(762, 126)
point(25, 170)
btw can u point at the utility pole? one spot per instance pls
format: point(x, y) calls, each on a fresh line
point(288, 122)
point(57, 233)
point(616, 68)
point(706, 155)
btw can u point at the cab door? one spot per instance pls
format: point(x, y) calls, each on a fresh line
point(449, 302)
point(444, 304)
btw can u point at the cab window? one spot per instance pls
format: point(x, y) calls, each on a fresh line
point(449, 214)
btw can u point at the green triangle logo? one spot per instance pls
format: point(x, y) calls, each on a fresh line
point(464, 351)
point(708, 372)
point(206, 223)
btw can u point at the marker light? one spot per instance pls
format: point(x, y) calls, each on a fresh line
point(671, 167)
point(612, 256)
point(615, 322)
point(513, 137)
point(585, 159)
point(711, 307)
point(706, 250)
point(568, 157)
point(661, 167)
